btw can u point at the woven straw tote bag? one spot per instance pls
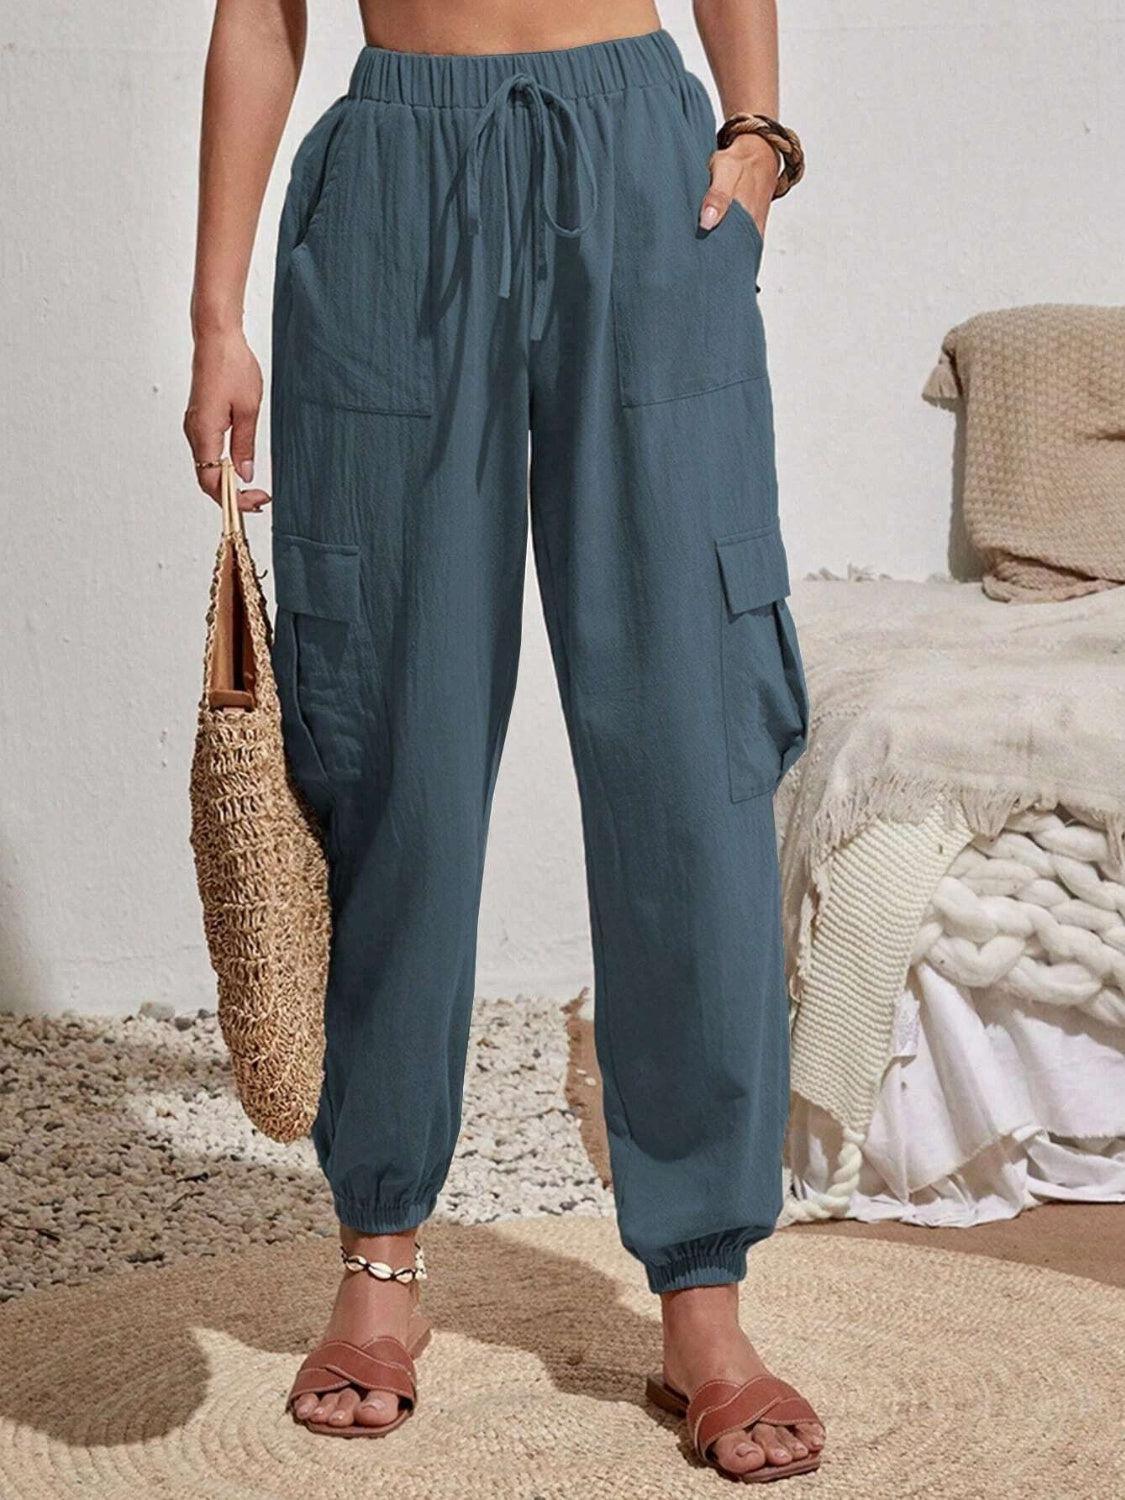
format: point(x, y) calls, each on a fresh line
point(258, 857)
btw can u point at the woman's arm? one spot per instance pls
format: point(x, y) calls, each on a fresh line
point(740, 40)
point(253, 64)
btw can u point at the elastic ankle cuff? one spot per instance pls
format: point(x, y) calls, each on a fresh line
point(691, 1265)
point(382, 1218)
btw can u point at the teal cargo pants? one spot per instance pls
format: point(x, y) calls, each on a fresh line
point(474, 250)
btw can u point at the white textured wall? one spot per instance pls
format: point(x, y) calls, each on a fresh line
point(964, 154)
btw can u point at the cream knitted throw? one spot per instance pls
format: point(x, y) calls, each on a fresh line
point(1044, 499)
point(875, 894)
point(927, 694)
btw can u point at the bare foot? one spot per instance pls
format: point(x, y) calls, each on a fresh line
point(365, 1309)
point(703, 1341)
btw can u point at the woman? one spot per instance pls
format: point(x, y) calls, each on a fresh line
point(515, 224)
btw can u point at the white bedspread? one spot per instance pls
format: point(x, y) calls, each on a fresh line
point(989, 1106)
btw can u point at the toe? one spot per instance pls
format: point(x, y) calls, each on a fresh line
point(773, 1441)
point(737, 1454)
point(325, 1407)
point(304, 1406)
point(811, 1434)
point(795, 1443)
point(377, 1409)
point(346, 1403)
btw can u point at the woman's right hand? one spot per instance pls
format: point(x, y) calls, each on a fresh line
point(226, 393)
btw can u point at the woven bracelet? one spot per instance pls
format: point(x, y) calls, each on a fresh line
point(784, 141)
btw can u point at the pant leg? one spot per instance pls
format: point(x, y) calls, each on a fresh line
point(400, 468)
point(654, 516)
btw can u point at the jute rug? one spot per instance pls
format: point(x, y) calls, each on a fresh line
point(938, 1374)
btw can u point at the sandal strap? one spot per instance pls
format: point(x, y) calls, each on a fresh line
point(383, 1364)
point(722, 1406)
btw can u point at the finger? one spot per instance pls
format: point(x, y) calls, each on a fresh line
point(252, 500)
point(205, 432)
point(725, 173)
point(242, 433)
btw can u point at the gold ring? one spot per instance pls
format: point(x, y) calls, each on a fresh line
point(210, 463)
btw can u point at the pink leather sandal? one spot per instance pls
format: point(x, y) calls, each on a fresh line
point(382, 1364)
point(721, 1406)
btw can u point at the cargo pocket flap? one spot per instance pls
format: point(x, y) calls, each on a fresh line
point(754, 569)
point(316, 578)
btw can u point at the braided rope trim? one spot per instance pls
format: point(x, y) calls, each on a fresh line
point(379, 1270)
point(786, 142)
point(833, 1201)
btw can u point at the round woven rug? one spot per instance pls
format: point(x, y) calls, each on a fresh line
point(937, 1374)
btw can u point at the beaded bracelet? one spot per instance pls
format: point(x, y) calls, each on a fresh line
point(784, 141)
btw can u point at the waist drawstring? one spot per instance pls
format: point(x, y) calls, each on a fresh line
point(498, 115)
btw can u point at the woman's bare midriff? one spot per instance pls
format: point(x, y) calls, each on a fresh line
point(482, 26)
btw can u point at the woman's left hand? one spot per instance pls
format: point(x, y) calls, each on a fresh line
point(747, 170)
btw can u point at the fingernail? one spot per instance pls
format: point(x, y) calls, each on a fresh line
point(709, 217)
point(246, 471)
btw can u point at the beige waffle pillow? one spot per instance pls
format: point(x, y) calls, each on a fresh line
point(1044, 394)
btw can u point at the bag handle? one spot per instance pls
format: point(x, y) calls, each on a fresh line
point(231, 669)
point(228, 496)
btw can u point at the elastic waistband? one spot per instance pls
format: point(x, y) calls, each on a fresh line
point(468, 82)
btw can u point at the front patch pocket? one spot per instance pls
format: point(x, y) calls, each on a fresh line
point(315, 660)
point(357, 333)
point(685, 306)
point(764, 697)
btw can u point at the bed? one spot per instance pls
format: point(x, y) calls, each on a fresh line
point(953, 867)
